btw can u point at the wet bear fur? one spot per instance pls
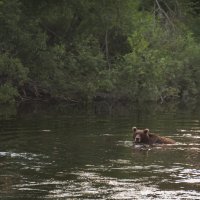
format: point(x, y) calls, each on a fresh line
point(145, 137)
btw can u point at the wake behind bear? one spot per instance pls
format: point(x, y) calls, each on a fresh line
point(145, 137)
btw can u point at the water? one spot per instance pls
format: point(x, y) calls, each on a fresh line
point(61, 152)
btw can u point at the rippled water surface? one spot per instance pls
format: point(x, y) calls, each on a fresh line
point(62, 152)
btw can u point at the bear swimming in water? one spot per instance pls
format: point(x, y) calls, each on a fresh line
point(145, 137)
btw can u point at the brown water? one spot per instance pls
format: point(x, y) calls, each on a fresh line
point(62, 152)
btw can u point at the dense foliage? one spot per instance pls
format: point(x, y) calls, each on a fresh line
point(79, 50)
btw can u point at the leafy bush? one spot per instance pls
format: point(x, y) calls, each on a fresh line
point(12, 76)
point(8, 93)
point(161, 65)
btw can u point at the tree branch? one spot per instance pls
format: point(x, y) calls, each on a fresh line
point(165, 14)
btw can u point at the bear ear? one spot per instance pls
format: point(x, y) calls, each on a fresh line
point(146, 131)
point(134, 129)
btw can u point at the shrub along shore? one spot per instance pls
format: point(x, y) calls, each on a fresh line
point(85, 50)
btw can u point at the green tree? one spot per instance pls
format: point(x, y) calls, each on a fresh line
point(73, 50)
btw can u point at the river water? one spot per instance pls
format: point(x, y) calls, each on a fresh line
point(67, 152)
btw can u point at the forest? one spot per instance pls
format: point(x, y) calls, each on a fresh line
point(90, 50)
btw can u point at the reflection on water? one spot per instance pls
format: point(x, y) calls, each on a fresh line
point(71, 153)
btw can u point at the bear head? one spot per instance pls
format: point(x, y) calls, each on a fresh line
point(140, 136)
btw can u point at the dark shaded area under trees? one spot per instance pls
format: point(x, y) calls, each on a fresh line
point(78, 51)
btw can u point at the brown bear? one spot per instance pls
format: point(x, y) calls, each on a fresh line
point(145, 137)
